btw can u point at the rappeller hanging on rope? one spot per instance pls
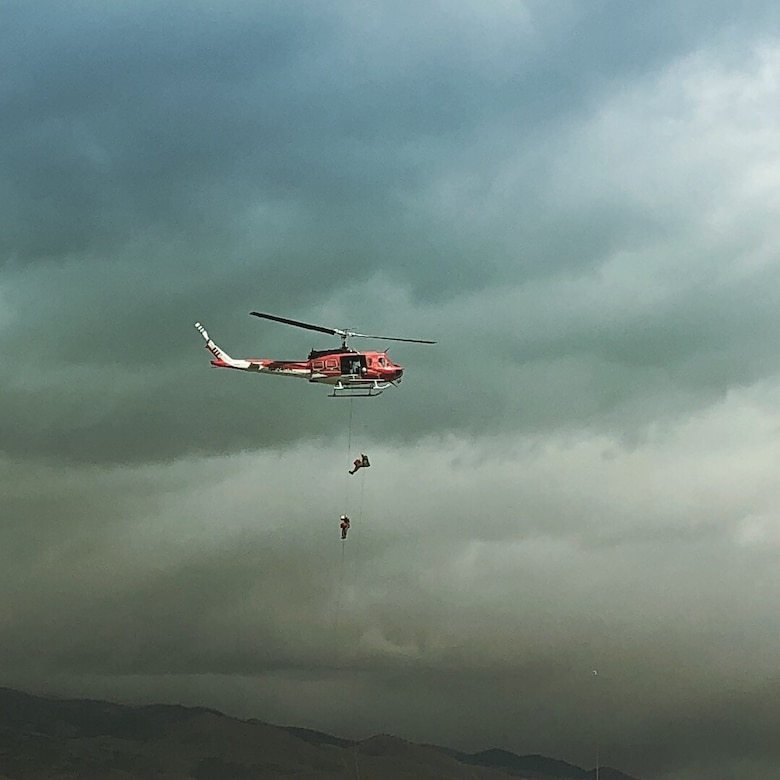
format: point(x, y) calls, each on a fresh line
point(344, 525)
point(360, 463)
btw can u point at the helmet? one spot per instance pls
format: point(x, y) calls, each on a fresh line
point(343, 517)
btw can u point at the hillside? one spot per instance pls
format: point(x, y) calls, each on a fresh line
point(45, 738)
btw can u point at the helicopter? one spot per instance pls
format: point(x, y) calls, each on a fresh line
point(349, 372)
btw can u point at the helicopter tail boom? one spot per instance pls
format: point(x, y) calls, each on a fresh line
point(222, 359)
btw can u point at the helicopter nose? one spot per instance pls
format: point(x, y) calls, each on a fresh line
point(399, 372)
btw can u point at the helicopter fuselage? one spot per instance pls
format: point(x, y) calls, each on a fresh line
point(327, 367)
point(348, 372)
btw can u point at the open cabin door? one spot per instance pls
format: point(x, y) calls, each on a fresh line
point(353, 365)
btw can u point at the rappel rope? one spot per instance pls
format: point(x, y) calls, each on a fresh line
point(342, 657)
point(357, 539)
point(349, 456)
point(340, 590)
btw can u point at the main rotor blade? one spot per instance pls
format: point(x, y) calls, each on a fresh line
point(333, 331)
point(390, 338)
point(296, 323)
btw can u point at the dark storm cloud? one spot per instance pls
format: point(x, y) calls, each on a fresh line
point(196, 118)
point(215, 572)
point(167, 118)
point(124, 120)
point(266, 160)
point(579, 203)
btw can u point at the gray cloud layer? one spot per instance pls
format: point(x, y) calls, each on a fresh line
point(578, 203)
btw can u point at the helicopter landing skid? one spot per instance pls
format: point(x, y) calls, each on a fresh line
point(358, 389)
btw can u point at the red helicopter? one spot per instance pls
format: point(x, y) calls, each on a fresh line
point(350, 373)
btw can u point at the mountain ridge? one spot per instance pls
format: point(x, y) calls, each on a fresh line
point(51, 738)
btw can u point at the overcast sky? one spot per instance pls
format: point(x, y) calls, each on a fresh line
point(578, 200)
